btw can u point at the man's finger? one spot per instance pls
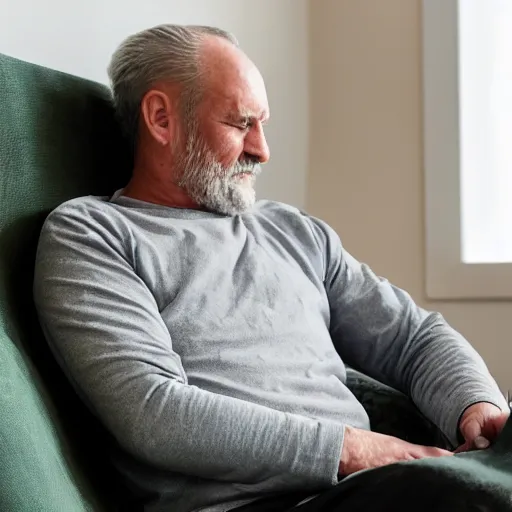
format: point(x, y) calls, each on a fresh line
point(466, 447)
point(471, 430)
point(432, 451)
point(481, 443)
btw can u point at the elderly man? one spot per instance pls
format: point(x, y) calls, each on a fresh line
point(209, 332)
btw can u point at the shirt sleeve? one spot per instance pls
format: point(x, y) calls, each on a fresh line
point(378, 329)
point(105, 329)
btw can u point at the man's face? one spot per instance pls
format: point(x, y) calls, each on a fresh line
point(224, 141)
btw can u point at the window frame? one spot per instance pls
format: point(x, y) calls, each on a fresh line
point(448, 277)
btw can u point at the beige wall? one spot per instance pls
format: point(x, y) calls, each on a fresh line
point(366, 176)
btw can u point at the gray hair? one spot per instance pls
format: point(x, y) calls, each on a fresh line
point(169, 52)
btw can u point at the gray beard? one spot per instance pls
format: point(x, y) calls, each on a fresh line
point(213, 186)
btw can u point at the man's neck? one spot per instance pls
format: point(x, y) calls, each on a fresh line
point(146, 188)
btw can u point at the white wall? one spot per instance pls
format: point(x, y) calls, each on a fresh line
point(79, 36)
point(366, 174)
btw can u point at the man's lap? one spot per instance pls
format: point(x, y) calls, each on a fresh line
point(470, 482)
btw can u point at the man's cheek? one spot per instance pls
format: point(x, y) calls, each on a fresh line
point(230, 149)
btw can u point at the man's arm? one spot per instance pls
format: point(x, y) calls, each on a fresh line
point(105, 328)
point(377, 328)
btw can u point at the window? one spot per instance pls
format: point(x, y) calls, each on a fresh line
point(468, 147)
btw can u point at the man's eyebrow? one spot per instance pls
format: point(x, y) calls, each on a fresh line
point(245, 115)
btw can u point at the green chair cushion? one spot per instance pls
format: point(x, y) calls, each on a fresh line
point(58, 140)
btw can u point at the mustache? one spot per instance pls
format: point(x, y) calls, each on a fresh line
point(246, 167)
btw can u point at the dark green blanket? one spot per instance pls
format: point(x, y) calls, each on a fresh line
point(475, 481)
point(479, 481)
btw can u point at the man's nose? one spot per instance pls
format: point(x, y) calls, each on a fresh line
point(256, 144)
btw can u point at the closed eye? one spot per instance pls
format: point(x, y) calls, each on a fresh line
point(240, 126)
point(244, 124)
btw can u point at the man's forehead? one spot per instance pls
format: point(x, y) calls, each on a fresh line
point(244, 104)
point(234, 83)
point(237, 105)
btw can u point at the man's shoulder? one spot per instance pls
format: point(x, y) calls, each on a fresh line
point(87, 213)
point(298, 222)
point(289, 220)
point(85, 208)
point(285, 214)
point(80, 205)
point(86, 222)
point(267, 208)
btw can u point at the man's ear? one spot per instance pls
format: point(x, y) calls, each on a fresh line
point(158, 114)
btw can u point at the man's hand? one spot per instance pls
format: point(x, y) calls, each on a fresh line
point(365, 450)
point(480, 425)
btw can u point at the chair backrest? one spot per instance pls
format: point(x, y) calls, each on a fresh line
point(58, 140)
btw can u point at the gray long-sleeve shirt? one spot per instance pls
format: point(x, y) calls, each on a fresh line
point(213, 347)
